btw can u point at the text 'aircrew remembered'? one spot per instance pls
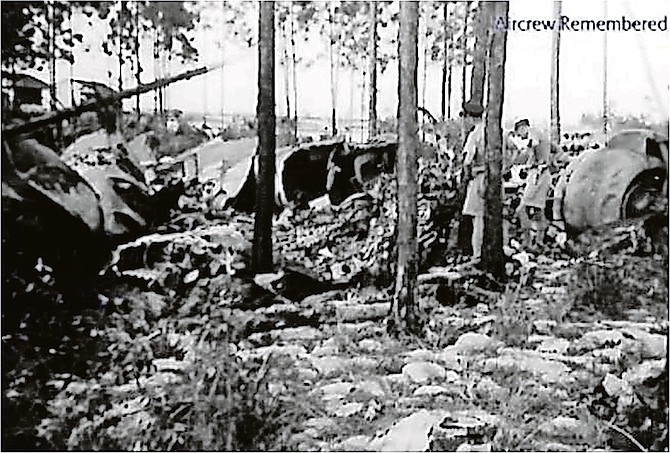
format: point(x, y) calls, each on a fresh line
point(566, 23)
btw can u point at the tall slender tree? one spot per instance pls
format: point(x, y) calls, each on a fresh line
point(445, 59)
point(294, 64)
point(286, 67)
point(119, 34)
point(406, 169)
point(464, 63)
point(138, 61)
point(372, 70)
point(606, 127)
point(555, 66)
point(52, 54)
point(449, 58)
point(423, 16)
point(479, 55)
point(492, 251)
point(333, 67)
point(265, 113)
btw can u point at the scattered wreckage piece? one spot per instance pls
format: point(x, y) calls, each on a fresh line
point(308, 172)
point(209, 251)
point(621, 181)
point(36, 173)
point(105, 183)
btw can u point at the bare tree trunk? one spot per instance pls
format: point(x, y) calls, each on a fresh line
point(119, 31)
point(424, 74)
point(493, 258)
point(372, 55)
point(52, 70)
point(606, 127)
point(404, 315)
point(464, 63)
point(479, 56)
point(333, 90)
point(364, 88)
point(449, 90)
point(168, 72)
point(445, 61)
point(156, 73)
point(262, 245)
point(71, 65)
point(223, 73)
point(555, 67)
point(295, 71)
point(352, 82)
point(52, 57)
point(138, 63)
point(287, 69)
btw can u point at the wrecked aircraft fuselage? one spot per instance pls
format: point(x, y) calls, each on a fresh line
point(621, 181)
point(310, 171)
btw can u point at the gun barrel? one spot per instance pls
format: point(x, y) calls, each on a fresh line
point(95, 104)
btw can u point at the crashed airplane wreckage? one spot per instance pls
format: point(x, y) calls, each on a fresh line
point(622, 181)
point(332, 168)
point(100, 180)
point(107, 187)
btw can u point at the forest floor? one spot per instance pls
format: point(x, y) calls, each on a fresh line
point(183, 349)
point(571, 355)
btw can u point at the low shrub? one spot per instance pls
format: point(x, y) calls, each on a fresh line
point(170, 376)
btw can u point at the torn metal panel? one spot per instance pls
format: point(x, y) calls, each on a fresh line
point(620, 181)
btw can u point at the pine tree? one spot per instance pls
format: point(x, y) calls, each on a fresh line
point(262, 244)
point(406, 169)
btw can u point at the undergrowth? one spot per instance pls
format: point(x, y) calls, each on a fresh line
point(167, 376)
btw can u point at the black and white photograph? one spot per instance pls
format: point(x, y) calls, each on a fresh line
point(335, 225)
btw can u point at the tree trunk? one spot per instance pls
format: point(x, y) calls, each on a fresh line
point(352, 104)
point(287, 69)
point(333, 90)
point(119, 31)
point(295, 71)
point(372, 55)
point(364, 82)
point(424, 74)
point(52, 57)
point(403, 310)
point(265, 187)
point(449, 89)
point(71, 65)
point(493, 258)
point(138, 65)
point(606, 128)
point(464, 63)
point(479, 56)
point(156, 74)
point(555, 67)
point(223, 71)
point(445, 61)
point(168, 72)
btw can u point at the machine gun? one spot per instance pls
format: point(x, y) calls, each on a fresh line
point(99, 103)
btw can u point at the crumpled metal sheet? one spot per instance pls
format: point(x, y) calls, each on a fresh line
point(124, 197)
point(40, 168)
point(597, 181)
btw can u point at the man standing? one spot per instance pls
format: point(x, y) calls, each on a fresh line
point(474, 164)
point(531, 210)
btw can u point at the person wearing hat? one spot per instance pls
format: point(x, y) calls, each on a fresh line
point(474, 163)
point(535, 153)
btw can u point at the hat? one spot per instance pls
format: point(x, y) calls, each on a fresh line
point(521, 122)
point(473, 109)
